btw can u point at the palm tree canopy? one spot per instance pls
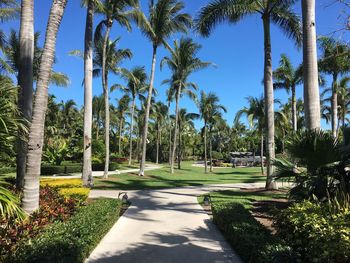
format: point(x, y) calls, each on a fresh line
point(232, 11)
point(255, 112)
point(209, 106)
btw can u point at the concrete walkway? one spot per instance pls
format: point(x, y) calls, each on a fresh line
point(148, 167)
point(165, 226)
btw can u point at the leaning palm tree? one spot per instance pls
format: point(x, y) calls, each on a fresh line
point(208, 106)
point(112, 11)
point(287, 77)
point(182, 63)
point(136, 86)
point(275, 11)
point(165, 18)
point(30, 201)
point(334, 61)
point(310, 67)
point(102, 67)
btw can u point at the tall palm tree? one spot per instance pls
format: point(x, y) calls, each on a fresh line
point(97, 113)
point(278, 12)
point(169, 99)
point(30, 200)
point(334, 61)
point(103, 66)
point(122, 108)
point(287, 77)
point(165, 18)
point(310, 67)
point(256, 117)
point(182, 63)
point(160, 115)
point(209, 107)
point(112, 11)
point(25, 81)
point(136, 86)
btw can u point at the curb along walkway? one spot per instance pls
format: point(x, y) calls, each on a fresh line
point(165, 226)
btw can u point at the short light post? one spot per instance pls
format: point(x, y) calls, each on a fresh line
point(207, 202)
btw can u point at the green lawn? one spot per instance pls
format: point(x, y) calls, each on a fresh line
point(187, 176)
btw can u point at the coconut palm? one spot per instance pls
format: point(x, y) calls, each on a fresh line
point(136, 86)
point(287, 77)
point(160, 116)
point(182, 63)
point(165, 18)
point(30, 201)
point(9, 10)
point(209, 107)
point(102, 67)
point(278, 12)
point(113, 11)
point(310, 67)
point(334, 61)
point(122, 108)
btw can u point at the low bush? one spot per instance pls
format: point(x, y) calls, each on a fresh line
point(78, 193)
point(101, 166)
point(251, 240)
point(316, 232)
point(7, 170)
point(73, 240)
point(62, 169)
point(61, 183)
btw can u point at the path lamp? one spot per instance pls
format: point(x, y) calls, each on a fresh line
point(124, 198)
point(207, 200)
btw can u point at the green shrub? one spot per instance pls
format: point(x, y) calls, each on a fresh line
point(318, 234)
point(251, 240)
point(217, 155)
point(77, 193)
point(73, 240)
point(101, 166)
point(7, 170)
point(66, 169)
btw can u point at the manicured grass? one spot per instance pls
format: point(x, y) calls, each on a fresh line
point(187, 176)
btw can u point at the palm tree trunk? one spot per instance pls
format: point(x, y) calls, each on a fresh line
point(131, 130)
point(262, 154)
point(269, 105)
point(179, 150)
point(310, 67)
point(210, 151)
point(148, 107)
point(176, 132)
point(294, 109)
point(88, 53)
point(30, 200)
point(106, 97)
point(334, 106)
point(25, 82)
point(170, 128)
point(205, 149)
point(120, 137)
point(157, 146)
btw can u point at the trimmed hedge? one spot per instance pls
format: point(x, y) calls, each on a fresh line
point(62, 169)
point(251, 240)
point(73, 240)
point(101, 166)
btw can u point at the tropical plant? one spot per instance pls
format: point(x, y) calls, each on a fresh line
point(122, 108)
point(165, 18)
point(10, 205)
point(277, 12)
point(183, 62)
point(30, 201)
point(56, 151)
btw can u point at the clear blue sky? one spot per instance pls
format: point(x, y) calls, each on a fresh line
point(237, 50)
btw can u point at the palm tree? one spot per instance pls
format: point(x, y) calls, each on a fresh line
point(256, 117)
point(169, 99)
point(310, 67)
point(209, 107)
point(164, 19)
point(9, 10)
point(160, 115)
point(185, 119)
point(114, 57)
point(122, 108)
point(25, 81)
point(277, 12)
point(287, 77)
point(97, 113)
point(113, 11)
point(136, 86)
point(30, 200)
point(182, 63)
point(334, 61)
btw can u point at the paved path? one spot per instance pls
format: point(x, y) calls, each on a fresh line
point(148, 167)
point(165, 226)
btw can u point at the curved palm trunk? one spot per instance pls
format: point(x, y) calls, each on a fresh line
point(25, 81)
point(262, 153)
point(30, 200)
point(269, 105)
point(88, 67)
point(176, 132)
point(205, 149)
point(148, 107)
point(294, 109)
point(310, 67)
point(334, 106)
point(131, 130)
point(106, 97)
